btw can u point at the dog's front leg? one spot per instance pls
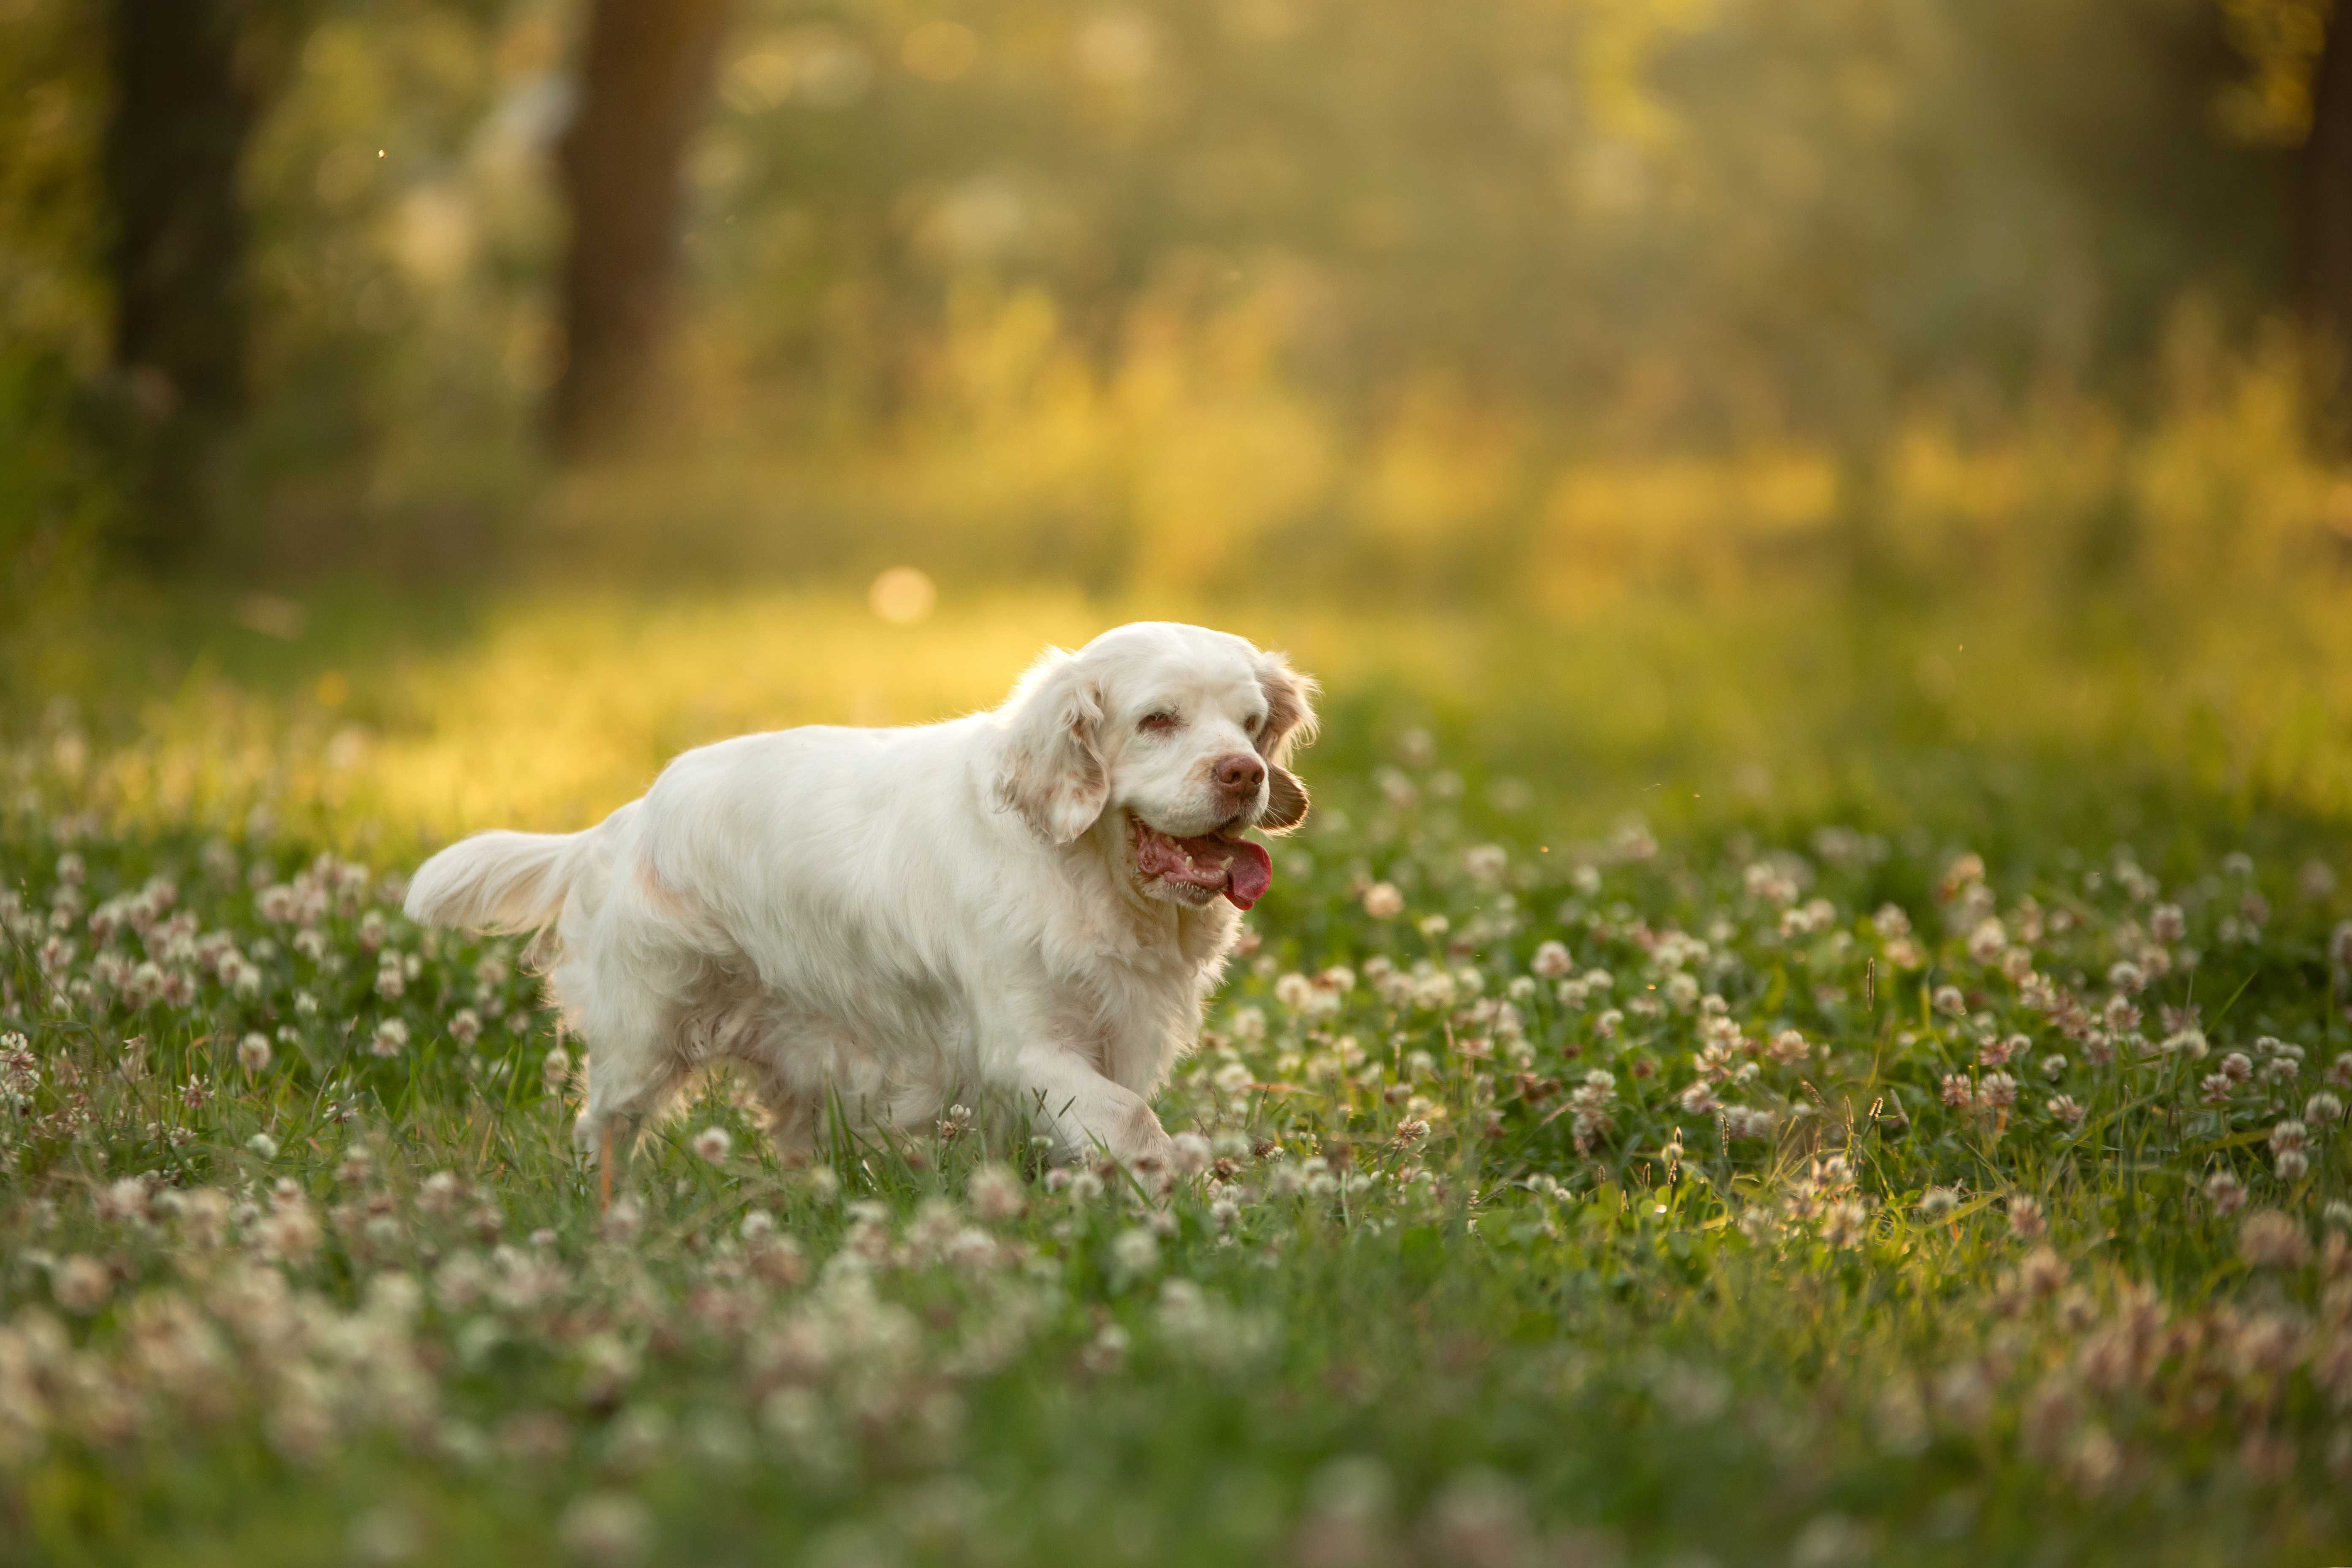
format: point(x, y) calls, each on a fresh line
point(1082, 1112)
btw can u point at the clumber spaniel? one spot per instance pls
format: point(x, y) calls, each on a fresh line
point(1033, 901)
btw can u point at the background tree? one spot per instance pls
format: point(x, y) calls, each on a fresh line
point(643, 83)
point(184, 110)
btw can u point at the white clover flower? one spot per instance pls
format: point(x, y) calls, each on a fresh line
point(996, 1193)
point(1192, 1153)
point(1382, 901)
point(1551, 960)
point(2269, 1239)
point(253, 1053)
point(713, 1144)
point(607, 1529)
point(1134, 1253)
point(391, 1038)
point(2323, 1108)
point(2225, 1192)
point(81, 1285)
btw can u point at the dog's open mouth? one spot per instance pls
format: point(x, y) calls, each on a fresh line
point(1212, 863)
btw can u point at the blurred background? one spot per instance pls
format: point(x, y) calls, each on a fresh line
point(1754, 346)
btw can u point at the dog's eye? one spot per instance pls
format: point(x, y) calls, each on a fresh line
point(1156, 723)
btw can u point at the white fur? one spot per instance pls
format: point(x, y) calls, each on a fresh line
point(891, 919)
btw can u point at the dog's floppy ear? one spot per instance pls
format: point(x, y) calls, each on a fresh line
point(1289, 722)
point(1052, 771)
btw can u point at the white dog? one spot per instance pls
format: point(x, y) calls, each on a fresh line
point(1034, 900)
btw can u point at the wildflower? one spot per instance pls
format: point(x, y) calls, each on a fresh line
point(1134, 1252)
point(2336, 1215)
point(1987, 942)
point(81, 1285)
point(1106, 1352)
point(1999, 1053)
point(1552, 960)
point(1477, 1519)
point(1947, 999)
point(466, 1025)
point(253, 1053)
point(2025, 1220)
point(1085, 1188)
point(1788, 1047)
point(607, 1529)
point(996, 1193)
point(291, 1232)
point(2043, 1272)
point(2165, 923)
point(1959, 1093)
point(2065, 1109)
point(1845, 1222)
point(1486, 862)
point(2339, 945)
point(2225, 1192)
point(1294, 992)
point(2054, 1067)
point(713, 1144)
point(2289, 1137)
point(1382, 901)
point(622, 1222)
point(1936, 1203)
point(1191, 1153)
point(2269, 1239)
point(263, 1145)
point(2092, 1460)
point(391, 1038)
point(2126, 977)
point(1247, 1025)
point(2339, 1072)
point(1699, 1099)
point(1996, 1091)
point(2323, 1108)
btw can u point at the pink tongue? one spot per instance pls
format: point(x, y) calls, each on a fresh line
point(1250, 874)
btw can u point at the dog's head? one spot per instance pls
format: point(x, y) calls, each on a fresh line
point(1167, 741)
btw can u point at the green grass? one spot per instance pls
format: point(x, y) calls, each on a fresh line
point(1430, 1308)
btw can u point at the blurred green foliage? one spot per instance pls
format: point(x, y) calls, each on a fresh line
point(1039, 290)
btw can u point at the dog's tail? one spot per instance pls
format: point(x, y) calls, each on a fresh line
point(496, 881)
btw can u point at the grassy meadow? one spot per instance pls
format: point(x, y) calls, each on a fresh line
point(1749, 1079)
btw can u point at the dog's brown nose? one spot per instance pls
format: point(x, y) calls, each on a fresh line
point(1240, 772)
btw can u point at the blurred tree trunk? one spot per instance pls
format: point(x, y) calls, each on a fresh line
point(642, 89)
point(180, 119)
point(2328, 191)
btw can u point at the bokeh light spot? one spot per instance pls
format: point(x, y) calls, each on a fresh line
point(903, 595)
